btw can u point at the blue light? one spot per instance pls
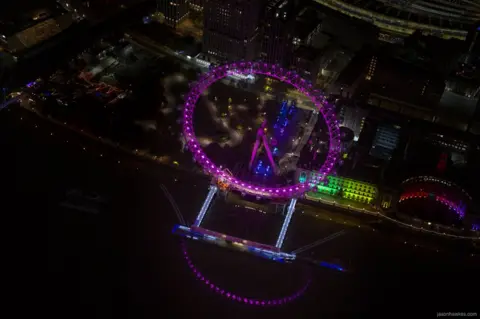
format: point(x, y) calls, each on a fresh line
point(291, 110)
point(283, 109)
point(331, 266)
point(175, 228)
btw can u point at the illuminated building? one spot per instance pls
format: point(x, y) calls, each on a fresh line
point(351, 77)
point(385, 141)
point(421, 191)
point(402, 87)
point(459, 98)
point(306, 61)
point(39, 27)
point(455, 146)
point(393, 84)
point(462, 91)
point(307, 27)
point(353, 118)
point(371, 68)
point(442, 18)
point(175, 11)
point(278, 32)
point(347, 137)
point(447, 142)
point(231, 29)
point(197, 5)
point(307, 58)
point(347, 188)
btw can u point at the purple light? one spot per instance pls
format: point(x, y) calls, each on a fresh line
point(280, 74)
point(458, 209)
point(245, 299)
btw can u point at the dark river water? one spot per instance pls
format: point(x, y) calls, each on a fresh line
point(124, 261)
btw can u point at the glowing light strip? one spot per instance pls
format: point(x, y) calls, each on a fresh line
point(423, 195)
point(435, 180)
point(280, 74)
point(331, 266)
point(241, 299)
point(206, 204)
point(389, 22)
point(286, 222)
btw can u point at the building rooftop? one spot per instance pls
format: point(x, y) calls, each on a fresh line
point(14, 23)
point(307, 53)
point(307, 20)
point(354, 70)
point(29, 29)
point(399, 80)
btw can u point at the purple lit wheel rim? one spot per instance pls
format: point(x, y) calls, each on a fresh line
point(280, 74)
point(241, 299)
